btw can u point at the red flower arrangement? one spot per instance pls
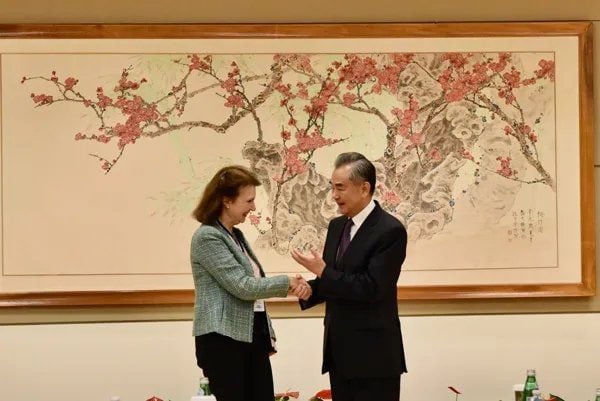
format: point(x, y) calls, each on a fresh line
point(322, 395)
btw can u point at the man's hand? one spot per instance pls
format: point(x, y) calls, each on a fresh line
point(314, 263)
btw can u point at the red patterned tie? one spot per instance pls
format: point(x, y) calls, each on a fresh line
point(345, 241)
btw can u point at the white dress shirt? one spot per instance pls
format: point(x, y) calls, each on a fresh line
point(360, 218)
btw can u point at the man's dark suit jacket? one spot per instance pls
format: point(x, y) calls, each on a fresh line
point(362, 336)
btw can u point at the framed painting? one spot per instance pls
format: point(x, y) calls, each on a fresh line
point(482, 135)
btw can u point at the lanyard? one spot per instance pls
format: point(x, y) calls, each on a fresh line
point(242, 247)
point(233, 237)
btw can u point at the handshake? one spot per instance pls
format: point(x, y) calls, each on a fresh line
point(299, 287)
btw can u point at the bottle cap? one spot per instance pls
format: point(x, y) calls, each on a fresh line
point(530, 372)
point(204, 380)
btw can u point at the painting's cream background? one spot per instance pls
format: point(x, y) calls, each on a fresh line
point(96, 231)
point(481, 355)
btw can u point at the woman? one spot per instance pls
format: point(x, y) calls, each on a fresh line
point(233, 332)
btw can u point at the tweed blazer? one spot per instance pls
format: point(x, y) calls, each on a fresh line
point(225, 285)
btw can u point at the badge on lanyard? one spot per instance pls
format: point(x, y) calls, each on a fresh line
point(259, 305)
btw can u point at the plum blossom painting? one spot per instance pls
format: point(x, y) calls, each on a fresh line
point(482, 139)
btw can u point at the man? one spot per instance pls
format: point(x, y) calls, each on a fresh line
point(356, 278)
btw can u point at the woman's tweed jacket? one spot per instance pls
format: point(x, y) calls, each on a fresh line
point(225, 285)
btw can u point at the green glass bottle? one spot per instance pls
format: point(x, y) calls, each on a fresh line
point(530, 385)
point(204, 388)
point(598, 394)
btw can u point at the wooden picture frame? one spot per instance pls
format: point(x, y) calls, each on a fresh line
point(527, 68)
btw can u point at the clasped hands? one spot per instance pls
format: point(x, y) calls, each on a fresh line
point(299, 287)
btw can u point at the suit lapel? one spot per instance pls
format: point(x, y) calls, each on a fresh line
point(335, 236)
point(363, 233)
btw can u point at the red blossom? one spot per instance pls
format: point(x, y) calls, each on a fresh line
point(70, 83)
point(307, 143)
point(254, 219)
point(286, 135)
point(349, 99)
point(388, 197)
point(138, 109)
point(388, 77)
point(285, 90)
point(124, 84)
point(546, 70)
point(294, 165)
point(526, 129)
point(297, 61)
point(103, 100)
point(457, 84)
point(234, 101)
point(512, 78)
point(357, 70)
point(103, 138)
point(302, 91)
point(199, 64)
point(467, 155)
point(139, 113)
point(128, 132)
point(457, 60)
point(229, 84)
point(435, 155)
point(533, 137)
point(505, 170)
point(500, 65)
point(293, 159)
point(417, 138)
point(403, 59)
point(42, 99)
point(507, 94)
point(406, 117)
point(318, 104)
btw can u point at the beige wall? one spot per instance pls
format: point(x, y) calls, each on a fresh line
point(483, 356)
